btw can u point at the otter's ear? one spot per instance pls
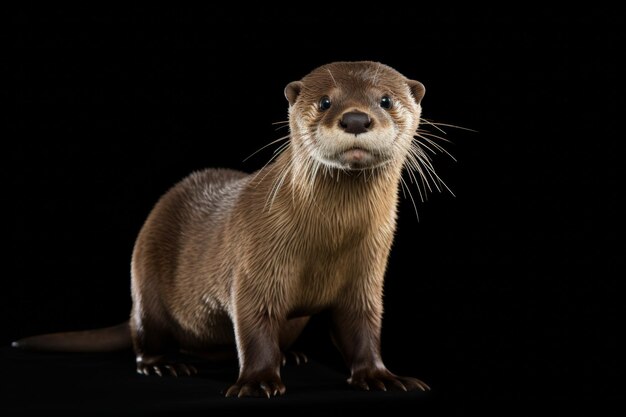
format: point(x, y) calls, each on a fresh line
point(292, 91)
point(417, 89)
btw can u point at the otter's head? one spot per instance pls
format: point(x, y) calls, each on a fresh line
point(354, 115)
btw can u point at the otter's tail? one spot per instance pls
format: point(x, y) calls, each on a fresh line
point(108, 339)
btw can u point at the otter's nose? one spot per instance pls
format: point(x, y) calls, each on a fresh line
point(355, 122)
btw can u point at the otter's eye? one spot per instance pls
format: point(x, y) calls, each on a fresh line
point(386, 102)
point(325, 103)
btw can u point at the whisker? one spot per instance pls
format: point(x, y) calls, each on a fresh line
point(423, 145)
point(419, 164)
point(281, 147)
point(457, 127)
point(430, 170)
point(433, 124)
point(414, 165)
point(265, 166)
point(283, 123)
point(436, 124)
point(411, 197)
point(435, 145)
point(316, 167)
point(426, 132)
point(402, 188)
point(265, 146)
point(278, 182)
point(331, 76)
point(375, 78)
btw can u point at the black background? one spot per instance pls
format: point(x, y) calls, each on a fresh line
point(509, 288)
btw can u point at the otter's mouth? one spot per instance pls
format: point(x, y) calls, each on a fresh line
point(355, 155)
point(359, 158)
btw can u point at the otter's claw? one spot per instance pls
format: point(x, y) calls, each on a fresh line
point(298, 357)
point(385, 380)
point(164, 369)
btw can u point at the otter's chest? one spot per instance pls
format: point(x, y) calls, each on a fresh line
point(331, 255)
point(326, 273)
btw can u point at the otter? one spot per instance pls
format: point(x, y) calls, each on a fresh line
point(228, 258)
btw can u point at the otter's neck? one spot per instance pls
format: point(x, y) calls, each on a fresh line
point(341, 197)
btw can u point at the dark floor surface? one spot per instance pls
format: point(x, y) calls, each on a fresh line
point(106, 384)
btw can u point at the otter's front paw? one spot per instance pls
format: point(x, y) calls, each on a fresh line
point(383, 380)
point(262, 385)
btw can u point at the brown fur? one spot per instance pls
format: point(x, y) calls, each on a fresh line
point(227, 258)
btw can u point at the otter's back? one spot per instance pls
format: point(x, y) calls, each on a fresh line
point(183, 222)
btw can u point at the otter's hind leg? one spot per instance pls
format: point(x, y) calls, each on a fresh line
point(154, 349)
point(288, 335)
